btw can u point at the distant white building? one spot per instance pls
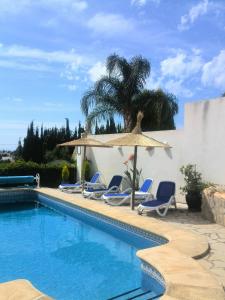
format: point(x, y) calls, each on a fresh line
point(7, 158)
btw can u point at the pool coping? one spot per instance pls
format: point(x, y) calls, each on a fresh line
point(176, 260)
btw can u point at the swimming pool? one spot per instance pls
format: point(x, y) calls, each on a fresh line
point(70, 253)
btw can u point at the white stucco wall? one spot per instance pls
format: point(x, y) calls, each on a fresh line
point(204, 132)
point(201, 142)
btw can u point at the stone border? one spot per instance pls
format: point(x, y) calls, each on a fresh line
point(213, 204)
point(20, 289)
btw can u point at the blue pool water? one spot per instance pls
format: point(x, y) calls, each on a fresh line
point(68, 258)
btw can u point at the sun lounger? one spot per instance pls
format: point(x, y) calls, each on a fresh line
point(94, 182)
point(165, 197)
point(124, 197)
point(113, 187)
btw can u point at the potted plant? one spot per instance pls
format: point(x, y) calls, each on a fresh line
point(194, 185)
point(129, 172)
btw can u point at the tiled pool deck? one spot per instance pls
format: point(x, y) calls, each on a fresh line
point(189, 237)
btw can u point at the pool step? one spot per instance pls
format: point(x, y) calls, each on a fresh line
point(136, 294)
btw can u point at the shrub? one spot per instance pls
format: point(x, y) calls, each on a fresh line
point(193, 180)
point(86, 170)
point(50, 174)
point(65, 173)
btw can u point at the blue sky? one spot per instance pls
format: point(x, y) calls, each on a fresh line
point(51, 52)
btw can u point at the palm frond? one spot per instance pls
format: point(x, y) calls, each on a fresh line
point(118, 67)
point(99, 113)
point(140, 71)
point(88, 101)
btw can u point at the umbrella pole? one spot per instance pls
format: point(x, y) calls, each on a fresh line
point(134, 178)
point(83, 168)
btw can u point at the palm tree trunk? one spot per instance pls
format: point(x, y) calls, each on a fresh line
point(127, 121)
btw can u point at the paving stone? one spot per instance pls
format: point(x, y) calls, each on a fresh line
point(219, 264)
point(215, 260)
point(206, 264)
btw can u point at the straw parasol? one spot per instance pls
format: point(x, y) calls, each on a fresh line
point(85, 142)
point(136, 138)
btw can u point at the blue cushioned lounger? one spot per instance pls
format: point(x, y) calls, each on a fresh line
point(165, 197)
point(120, 198)
point(94, 182)
point(112, 187)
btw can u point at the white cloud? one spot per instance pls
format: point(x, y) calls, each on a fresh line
point(177, 88)
point(194, 13)
point(171, 85)
point(72, 87)
point(24, 66)
point(69, 65)
point(141, 3)
point(17, 99)
point(79, 5)
point(138, 2)
point(51, 104)
point(32, 59)
point(177, 71)
point(96, 71)
point(214, 71)
point(182, 65)
point(154, 82)
point(13, 99)
point(51, 23)
point(74, 74)
point(109, 24)
point(17, 51)
point(61, 6)
point(13, 6)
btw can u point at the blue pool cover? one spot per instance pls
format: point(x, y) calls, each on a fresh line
point(10, 180)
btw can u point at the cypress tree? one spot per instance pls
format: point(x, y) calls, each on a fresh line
point(67, 133)
point(112, 126)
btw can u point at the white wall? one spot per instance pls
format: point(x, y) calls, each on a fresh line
point(204, 129)
point(201, 142)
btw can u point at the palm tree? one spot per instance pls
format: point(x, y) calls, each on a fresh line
point(122, 92)
point(159, 109)
point(115, 93)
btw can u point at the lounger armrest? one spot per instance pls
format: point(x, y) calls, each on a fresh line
point(96, 184)
point(127, 190)
point(149, 196)
point(172, 199)
point(113, 189)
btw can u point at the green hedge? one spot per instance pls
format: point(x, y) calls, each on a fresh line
point(51, 175)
